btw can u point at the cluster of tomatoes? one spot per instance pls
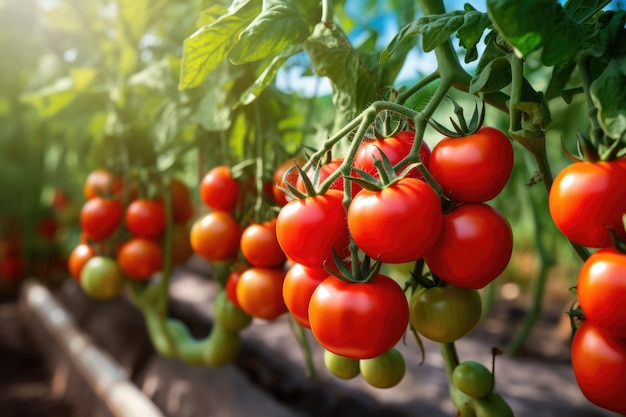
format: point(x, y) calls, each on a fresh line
point(588, 204)
point(123, 233)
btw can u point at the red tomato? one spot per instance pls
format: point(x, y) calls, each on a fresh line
point(219, 190)
point(602, 291)
point(100, 217)
point(587, 199)
point(47, 227)
point(300, 282)
point(395, 148)
point(309, 229)
point(278, 180)
point(102, 183)
point(140, 258)
point(182, 205)
point(231, 285)
point(260, 292)
point(473, 168)
point(146, 218)
point(398, 223)
point(599, 364)
point(12, 268)
point(358, 320)
point(326, 171)
point(259, 245)
point(474, 246)
point(181, 246)
point(78, 258)
point(216, 236)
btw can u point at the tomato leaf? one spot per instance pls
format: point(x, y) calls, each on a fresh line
point(471, 31)
point(581, 10)
point(609, 96)
point(493, 72)
point(278, 26)
point(526, 25)
point(406, 34)
point(208, 46)
point(565, 39)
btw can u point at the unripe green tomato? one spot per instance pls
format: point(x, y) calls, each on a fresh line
point(445, 314)
point(493, 405)
point(384, 371)
point(228, 316)
point(101, 278)
point(221, 346)
point(340, 366)
point(473, 379)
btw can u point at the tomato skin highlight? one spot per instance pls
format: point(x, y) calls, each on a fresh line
point(100, 217)
point(474, 246)
point(602, 290)
point(218, 189)
point(260, 292)
point(473, 168)
point(310, 228)
point(259, 245)
point(78, 258)
point(399, 223)
point(358, 320)
point(586, 199)
point(300, 282)
point(215, 236)
point(599, 363)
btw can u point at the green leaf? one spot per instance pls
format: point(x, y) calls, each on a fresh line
point(581, 10)
point(493, 72)
point(210, 15)
point(208, 46)
point(564, 41)
point(437, 29)
point(422, 97)
point(268, 74)
point(526, 24)
point(561, 74)
point(609, 96)
point(278, 26)
point(471, 32)
point(405, 34)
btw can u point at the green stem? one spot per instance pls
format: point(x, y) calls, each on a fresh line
point(596, 133)
point(517, 74)
point(327, 11)
point(258, 174)
point(404, 96)
point(450, 358)
point(311, 372)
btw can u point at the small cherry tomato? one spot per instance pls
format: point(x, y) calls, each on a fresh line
point(78, 258)
point(140, 258)
point(340, 366)
point(473, 379)
point(216, 236)
point(101, 278)
point(259, 245)
point(100, 217)
point(300, 282)
point(219, 190)
point(260, 292)
point(384, 371)
point(145, 218)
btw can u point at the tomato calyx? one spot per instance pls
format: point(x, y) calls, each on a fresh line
point(618, 242)
point(387, 175)
point(462, 128)
point(355, 271)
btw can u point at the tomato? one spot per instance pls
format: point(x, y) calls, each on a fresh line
point(358, 320)
point(215, 236)
point(395, 148)
point(101, 278)
point(473, 378)
point(491, 405)
point(300, 282)
point(260, 292)
point(47, 227)
point(221, 347)
point(259, 245)
point(473, 168)
point(398, 223)
point(384, 371)
point(102, 183)
point(474, 246)
point(341, 367)
point(219, 190)
point(182, 205)
point(140, 258)
point(445, 314)
point(12, 268)
point(100, 217)
point(587, 199)
point(602, 291)
point(229, 316)
point(278, 180)
point(326, 171)
point(78, 258)
point(145, 218)
point(599, 363)
point(181, 246)
point(231, 285)
point(309, 229)
point(60, 199)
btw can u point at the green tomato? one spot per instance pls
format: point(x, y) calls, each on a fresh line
point(445, 314)
point(384, 371)
point(228, 316)
point(340, 366)
point(473, 379)
point(101, 278)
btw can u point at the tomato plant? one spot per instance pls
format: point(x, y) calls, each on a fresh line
point(358, 320)
point(473, 168)
point(473, 248)
point(445, 314)
point(408, 220)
